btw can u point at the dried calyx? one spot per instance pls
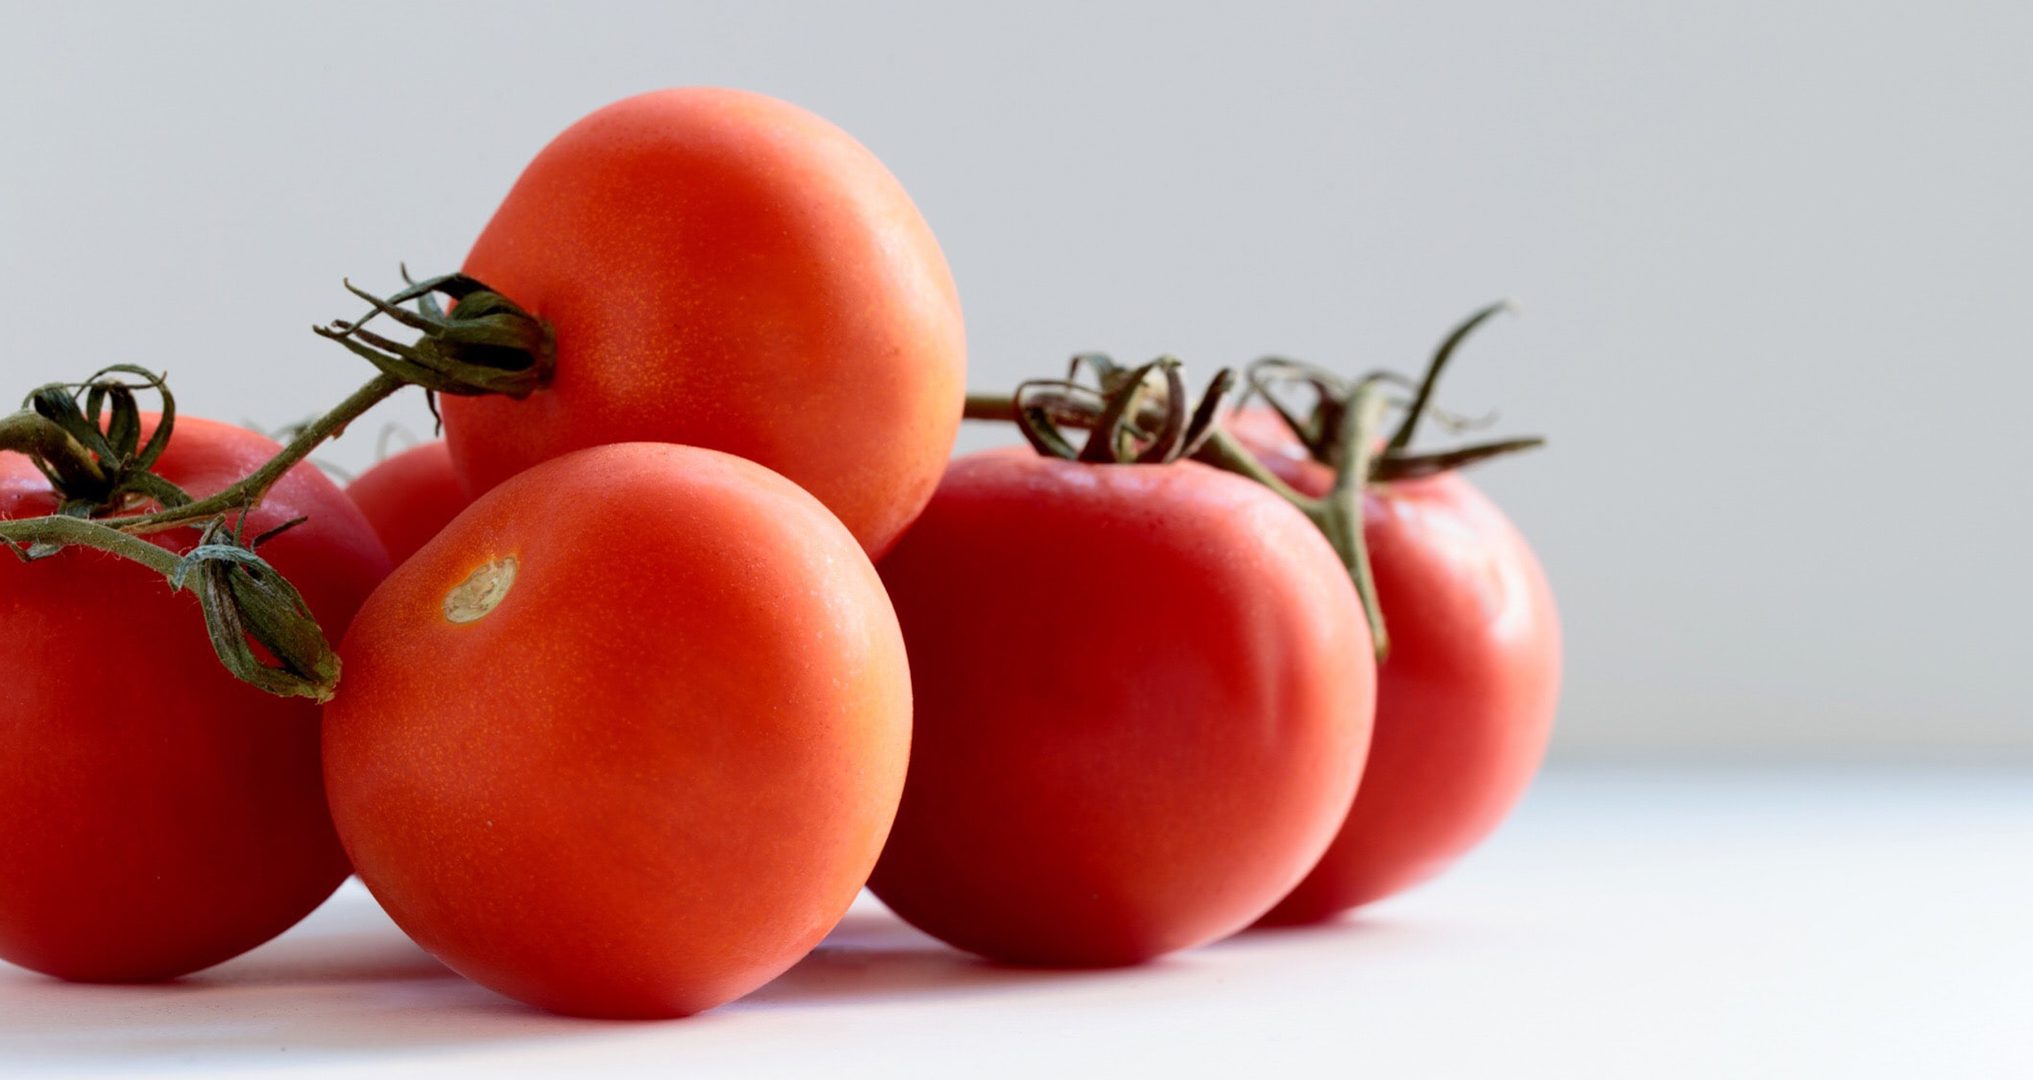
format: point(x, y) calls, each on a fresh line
point(1142, 415)
point(1133, 416)
point(91, 449)
point(486, 343)
point(86, 440)
point(1274, 377)
point(248, 603)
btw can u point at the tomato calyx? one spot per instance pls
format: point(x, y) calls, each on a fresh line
point(1131, 419)
point(95, 460)
point(91, 452)
point(249, 603)
point(485, 344)
point(1142, 416)
point(1270, 377)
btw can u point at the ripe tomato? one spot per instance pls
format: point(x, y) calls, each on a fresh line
point(1138, 724)
point(1465, 699)
point(157, 815)
point(625, 739)
point(409, 497)
point(726, 270)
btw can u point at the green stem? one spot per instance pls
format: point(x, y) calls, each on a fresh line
point(80, 532)
point(988, 405)
point(247, 493)
point(260, 627)
point(1224, 453)
point(1339, 514)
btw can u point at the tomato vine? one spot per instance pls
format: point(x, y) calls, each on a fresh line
point(85, 439)
point(1142, 416)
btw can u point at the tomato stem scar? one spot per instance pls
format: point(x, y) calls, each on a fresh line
point(481, 592)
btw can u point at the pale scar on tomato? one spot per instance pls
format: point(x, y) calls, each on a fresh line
point(483, 590)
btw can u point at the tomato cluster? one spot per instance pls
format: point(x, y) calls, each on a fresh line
point(692, 630)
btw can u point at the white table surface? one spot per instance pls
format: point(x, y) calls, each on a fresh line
point(1640, 923)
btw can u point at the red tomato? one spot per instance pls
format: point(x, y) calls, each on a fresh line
point(726, 270)
point(161, 816)
point(409, 497)
point(1137, 722)
point(1465, 700)
point(625, 739)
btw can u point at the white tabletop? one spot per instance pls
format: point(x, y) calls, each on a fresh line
point(1627, 923)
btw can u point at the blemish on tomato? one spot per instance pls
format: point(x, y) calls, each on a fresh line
point(483, 590)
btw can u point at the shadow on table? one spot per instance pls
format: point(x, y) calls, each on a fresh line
point(873, 955)
point(350, 992)
point(1348, 924)
point(349, 987)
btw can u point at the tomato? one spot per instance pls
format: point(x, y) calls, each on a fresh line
point(726, 270)
point(410, 496)
point(625, 738)
point(159, 815)
point(1465, 700)
point(1137, 722)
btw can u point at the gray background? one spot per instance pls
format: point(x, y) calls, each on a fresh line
point(1774, 260)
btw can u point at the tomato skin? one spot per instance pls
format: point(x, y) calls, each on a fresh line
point(1466, 699)
point(159, 815)
point(657, 773)
point(726, 270)
point(409, 496)
point(1137, 723)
